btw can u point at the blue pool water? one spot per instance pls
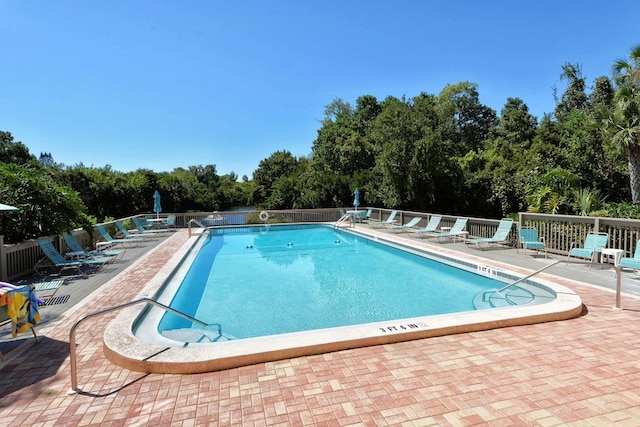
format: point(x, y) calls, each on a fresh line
point(258, 281)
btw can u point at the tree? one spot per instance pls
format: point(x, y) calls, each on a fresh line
point(499, 174)
point(574, 96)
point(279, 164)
point(465, 122)
point(45, 207)
point(622, 123)
point(14, 151)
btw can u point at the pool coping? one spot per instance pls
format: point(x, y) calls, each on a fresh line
point(123, 348)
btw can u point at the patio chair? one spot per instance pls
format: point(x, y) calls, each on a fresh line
point(133, 241)
point(500, 237)
point(431, 227)
point(404, 227)
point(171, 222)
point(47, 289)
point(363, 216)
point(631, 262)
point(389, 221)
point(142, 230)
point(454, 232)
point(593, 245)
point(127, 235)
point(77, 251)
point(57, 260)
point(528, 239)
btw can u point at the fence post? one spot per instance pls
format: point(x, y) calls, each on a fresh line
point(3, 260)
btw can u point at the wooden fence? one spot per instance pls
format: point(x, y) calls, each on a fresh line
point(558, 231)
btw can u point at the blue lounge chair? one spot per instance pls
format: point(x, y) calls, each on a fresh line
point(528, 239)
point(403, 227)
point(133, 241)
point(454, 232)
point(57, 260)
point(47, 289)
point(500, 237)
point(171, 222)
point(389, 221)
point(431, 227)
point(631, 262)
point(362, 216)
point(127, 235)
point(79, 252)
point(593, 244)
point(142, 230)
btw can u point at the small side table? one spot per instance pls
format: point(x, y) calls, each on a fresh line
point(461, 235)
point(102, 245)
point(616, 253)
point(76, 254)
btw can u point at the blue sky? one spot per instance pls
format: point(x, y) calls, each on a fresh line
point(163, 84)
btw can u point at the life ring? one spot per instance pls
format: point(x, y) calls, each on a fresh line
point(264, 216)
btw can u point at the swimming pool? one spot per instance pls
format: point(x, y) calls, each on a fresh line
point(251, 282)
point(179, 348)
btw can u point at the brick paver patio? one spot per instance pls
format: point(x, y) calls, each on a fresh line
point(584, 371)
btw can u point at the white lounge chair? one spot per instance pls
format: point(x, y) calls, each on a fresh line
point(456, 230)
point(389, 221)
point(501, 235)
point(431, 227)
point(404, 227)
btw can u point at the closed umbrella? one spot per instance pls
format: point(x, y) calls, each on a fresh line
point(356, 200)
point(157, 208)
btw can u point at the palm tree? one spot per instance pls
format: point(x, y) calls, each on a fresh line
point(622, 124)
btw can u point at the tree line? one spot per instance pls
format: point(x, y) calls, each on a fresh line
point(442, 153)
point(449, 153)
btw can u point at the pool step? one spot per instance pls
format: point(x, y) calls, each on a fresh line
point(491, 298)
point(190, 335)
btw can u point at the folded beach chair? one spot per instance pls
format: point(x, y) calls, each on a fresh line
point(57, 260)
point(132, 242)
point(528, 239)
point(389, 221)
point(47, 289)
point(456, 230)
point(404, 227)
point(78, 251)
point(593, 245)
point(431, 227)
point(631, 262)
point(500, 237)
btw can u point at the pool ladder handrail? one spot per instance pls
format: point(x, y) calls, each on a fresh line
point(576, 262)
point(344, 218)
point(72, 333)
point(193, 220)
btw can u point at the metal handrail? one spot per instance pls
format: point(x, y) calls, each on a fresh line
point(72, 334)
point(590, 263)
point(193, 220)
point(346, 217)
